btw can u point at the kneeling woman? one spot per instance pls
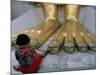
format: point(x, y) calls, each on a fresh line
point(29, 59)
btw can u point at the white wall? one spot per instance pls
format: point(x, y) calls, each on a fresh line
point(18, 8)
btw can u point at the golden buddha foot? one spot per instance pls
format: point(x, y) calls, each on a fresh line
point(72, 36)
point(39, 34)
point(77, 37)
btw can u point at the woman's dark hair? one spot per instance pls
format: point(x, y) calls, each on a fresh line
point(22, 39)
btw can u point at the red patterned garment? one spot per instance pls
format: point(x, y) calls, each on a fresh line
point(29, 61)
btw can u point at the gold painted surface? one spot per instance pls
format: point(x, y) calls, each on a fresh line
point(39, 34)
point(71, 34)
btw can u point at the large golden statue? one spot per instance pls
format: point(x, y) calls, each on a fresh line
point(70, 36)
